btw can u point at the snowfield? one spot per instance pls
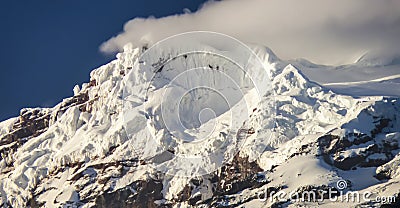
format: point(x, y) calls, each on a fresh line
point(329, 123)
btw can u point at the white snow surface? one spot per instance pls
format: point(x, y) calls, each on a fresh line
point(305, 110)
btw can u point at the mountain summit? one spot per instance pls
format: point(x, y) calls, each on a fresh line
point(299, 135)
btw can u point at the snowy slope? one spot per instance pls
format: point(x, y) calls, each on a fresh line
point(79, 153)
point(374, 74)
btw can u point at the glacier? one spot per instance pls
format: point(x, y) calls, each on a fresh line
point(87, 151)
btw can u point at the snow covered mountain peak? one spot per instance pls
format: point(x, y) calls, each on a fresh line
point(293, 134)
point(196, 98)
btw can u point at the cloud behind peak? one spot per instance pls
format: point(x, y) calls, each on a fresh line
point(327, 32)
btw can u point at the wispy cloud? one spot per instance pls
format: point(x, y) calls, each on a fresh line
point(329, 31)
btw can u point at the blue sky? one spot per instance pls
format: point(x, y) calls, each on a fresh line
point(49, 46)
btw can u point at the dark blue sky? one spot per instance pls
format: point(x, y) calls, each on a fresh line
point(46, 47)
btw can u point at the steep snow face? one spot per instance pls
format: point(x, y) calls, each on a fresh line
point(196, 98)
point(91, 146)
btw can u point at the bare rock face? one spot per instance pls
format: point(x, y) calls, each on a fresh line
point(371, 148)
point(32, 122)
point(232, 178)
point(138, 194)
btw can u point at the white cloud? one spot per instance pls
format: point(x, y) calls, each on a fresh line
point(329, 31)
